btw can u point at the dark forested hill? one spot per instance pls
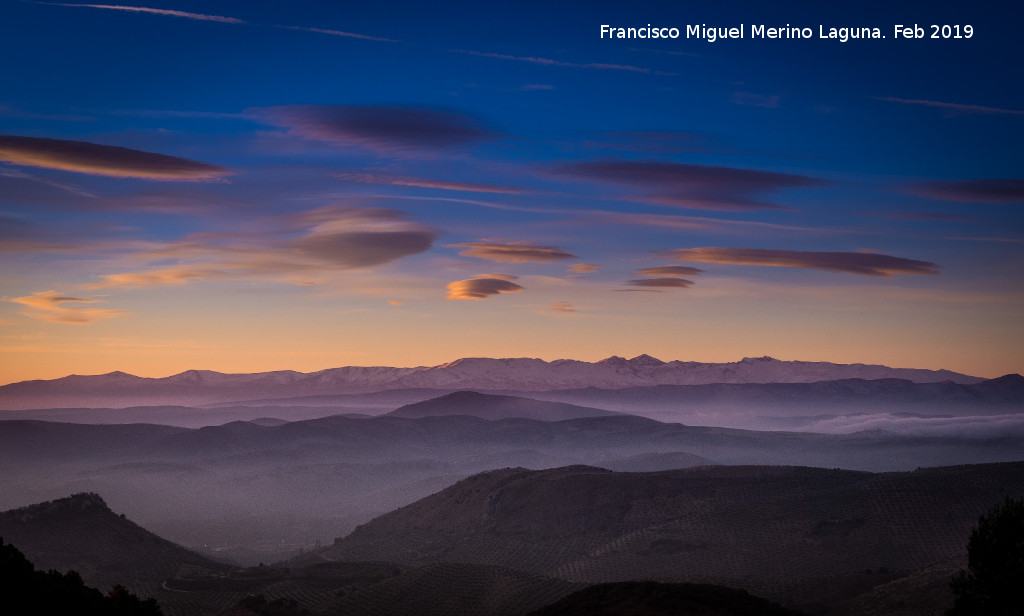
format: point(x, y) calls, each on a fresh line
point(756, 527)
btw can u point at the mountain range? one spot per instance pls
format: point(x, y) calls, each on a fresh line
point(491, 486)
point(198, 387)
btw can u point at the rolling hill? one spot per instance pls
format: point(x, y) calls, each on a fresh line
point(489, 406)
point(80, 532)
point(761, 528)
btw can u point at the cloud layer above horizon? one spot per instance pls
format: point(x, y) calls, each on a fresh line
point(316, 185)
point(96, 159)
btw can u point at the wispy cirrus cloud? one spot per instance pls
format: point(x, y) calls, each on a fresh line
point(502, 251)
point(483, 286)
point(221, 19)
point(170, 276)
point(19, 184)
point(687, 185)
point(750, 99)
point(416, 182)
point(152, 11)
point(862, 263)
point(998, 190)
point(52, 306)
point(108, 160)
point(584, 268)
point(551, 62)
point(651, 142)
point(921, 216)
point(700, 223)
point(957, 107)
point(382, 129)
point(341, 33)
point(293, 249)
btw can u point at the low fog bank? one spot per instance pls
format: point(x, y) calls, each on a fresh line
point(190, 416)
point(986, 426)
point(262, 491)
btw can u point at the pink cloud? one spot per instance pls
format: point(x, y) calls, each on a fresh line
point(482, 287)
point(51, 306)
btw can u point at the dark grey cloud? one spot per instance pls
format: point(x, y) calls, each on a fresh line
point(917, 216)
point(661, 283)
point(1008, 190)
point(687, 185)
point(951, 107)
point(108, 160)
point(669, 271)
point(354, 249)
point(300, 246)
point(552, 62)
point(385, 129)
point(863, 263)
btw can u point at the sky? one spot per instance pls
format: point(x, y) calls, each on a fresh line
point(251, 186)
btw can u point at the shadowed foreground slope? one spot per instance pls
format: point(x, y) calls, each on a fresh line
point(762, 528)
point(658, 599)
point(81, 533)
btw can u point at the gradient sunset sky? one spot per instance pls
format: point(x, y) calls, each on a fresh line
point(249, 186)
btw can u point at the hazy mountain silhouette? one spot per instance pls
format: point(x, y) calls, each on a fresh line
point(788, 405)
point(189, 416)
point(195, 387)
point(263, 491)
point(489, 406)
point(836, 406)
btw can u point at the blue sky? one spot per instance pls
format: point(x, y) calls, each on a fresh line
point(247, 186)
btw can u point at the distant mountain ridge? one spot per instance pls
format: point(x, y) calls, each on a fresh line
point(489, 406)
point(193, 387)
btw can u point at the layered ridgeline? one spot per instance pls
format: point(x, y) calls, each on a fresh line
point(80, 533)
point(195, 387)
point(485, 406)
point(844, 405)
point(510, 542)
point(260, 491)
